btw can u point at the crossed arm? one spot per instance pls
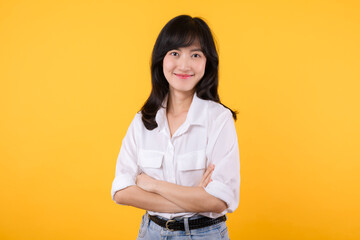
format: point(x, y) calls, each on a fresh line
point(161, 196)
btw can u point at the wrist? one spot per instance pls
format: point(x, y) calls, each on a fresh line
point(158, 186)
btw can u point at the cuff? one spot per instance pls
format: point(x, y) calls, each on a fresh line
point(121, 182)
point(223, 192)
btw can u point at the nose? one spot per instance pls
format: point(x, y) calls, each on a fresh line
point(184, 63)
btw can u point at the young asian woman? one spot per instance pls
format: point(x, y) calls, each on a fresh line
point(179, 159)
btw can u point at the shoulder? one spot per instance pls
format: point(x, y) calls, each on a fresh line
point(138, 116)
point(136, 122)
point(217, 111)
point(219, 118)
point(220, 124)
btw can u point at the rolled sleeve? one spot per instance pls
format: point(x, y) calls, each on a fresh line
point(126, 164)
point(223, 192)
point(120, 182)
point(225, 157)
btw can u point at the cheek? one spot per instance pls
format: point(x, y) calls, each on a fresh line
point(168, 65)
point(201, 67)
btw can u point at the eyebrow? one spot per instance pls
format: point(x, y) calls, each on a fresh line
point(196, 49)
point(192, 50)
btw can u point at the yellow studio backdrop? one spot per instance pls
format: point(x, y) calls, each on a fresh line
point(74, 73)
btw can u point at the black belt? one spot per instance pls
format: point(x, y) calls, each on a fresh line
point(178, 225)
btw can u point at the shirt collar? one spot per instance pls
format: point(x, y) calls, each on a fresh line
point(196, 115)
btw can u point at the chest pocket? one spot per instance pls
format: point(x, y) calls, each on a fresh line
point(150, 162)
point(191, 168)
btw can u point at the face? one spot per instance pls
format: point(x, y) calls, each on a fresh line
point(184, 67)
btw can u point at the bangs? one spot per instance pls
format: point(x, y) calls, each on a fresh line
point(182, 34)
point(183, 39)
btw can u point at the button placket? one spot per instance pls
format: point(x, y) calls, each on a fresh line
point(171, 168)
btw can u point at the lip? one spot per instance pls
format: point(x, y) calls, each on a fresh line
point(183, 76)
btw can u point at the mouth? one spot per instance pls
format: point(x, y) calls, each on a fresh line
point(183, 76)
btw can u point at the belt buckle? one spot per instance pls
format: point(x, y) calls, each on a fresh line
point(167, 224)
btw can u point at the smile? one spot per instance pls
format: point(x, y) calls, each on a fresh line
point(183, 76)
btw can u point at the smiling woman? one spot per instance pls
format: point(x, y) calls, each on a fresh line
point(179, 159)
point(186, 63)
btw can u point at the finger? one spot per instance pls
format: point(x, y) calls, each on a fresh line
point(212, 168)
point(208, 171)
point(206, 179)
point(203, 180)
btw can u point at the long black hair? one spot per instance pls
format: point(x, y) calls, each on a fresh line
point(181, 31)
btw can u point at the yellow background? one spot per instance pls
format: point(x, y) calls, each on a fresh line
point(74, 73)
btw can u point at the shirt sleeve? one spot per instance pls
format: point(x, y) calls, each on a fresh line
point(126, 164)
point(224, 155)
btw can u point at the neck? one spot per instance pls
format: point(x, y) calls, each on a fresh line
point(179, 102)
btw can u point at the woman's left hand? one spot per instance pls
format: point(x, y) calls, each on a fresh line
point(146, 182)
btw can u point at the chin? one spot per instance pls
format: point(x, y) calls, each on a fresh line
point(184, 89)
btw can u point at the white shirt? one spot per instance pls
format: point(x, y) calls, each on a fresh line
point(207, 136)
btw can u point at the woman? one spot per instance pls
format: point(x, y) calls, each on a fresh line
point(179, 159)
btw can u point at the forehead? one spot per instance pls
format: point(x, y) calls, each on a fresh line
point(195, 45)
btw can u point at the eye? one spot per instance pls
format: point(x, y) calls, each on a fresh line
point(174, 54)
point(196, 55)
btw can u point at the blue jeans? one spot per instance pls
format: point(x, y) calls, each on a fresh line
point(151, 231)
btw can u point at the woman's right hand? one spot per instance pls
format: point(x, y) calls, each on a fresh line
point(206, 179)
